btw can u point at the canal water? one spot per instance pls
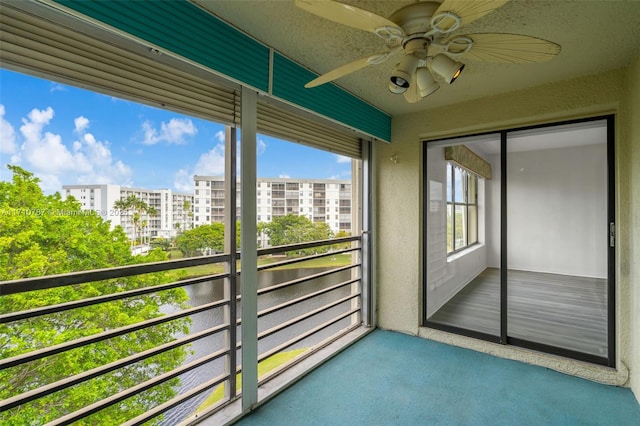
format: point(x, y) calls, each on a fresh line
point(208, 292)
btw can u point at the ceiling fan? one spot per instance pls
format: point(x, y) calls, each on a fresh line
point(423, 33)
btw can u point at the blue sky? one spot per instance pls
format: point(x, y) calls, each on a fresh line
point(66, 135)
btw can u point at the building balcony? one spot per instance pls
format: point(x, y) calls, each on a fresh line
point(309, 319)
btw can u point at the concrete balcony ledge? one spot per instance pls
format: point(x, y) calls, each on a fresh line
point(610, 376)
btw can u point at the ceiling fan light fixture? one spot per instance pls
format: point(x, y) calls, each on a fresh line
point(401, 75)
point(395, 89)
point(446, 67)
point(426, 83)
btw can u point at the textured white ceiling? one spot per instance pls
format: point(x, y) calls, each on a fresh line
point(595, 36)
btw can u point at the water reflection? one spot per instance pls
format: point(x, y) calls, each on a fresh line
point(207, 292)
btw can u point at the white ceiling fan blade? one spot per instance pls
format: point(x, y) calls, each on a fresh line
point(467, 10)
point(412, 95)
point(349, 68)
point(349, 15)
point(507, 48)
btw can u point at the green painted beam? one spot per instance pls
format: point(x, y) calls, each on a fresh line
point(329, 100)
point(185, 29)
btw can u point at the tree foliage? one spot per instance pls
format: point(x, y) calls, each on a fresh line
point(292, 229)
point(161, 243)
point(42, 235)
point(200, 240)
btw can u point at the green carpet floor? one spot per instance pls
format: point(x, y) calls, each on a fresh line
point(389, 378)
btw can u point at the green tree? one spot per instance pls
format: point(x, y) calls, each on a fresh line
point(196, 241)
point(292, 229)
point(42, 235)
point(341, 234)
point(161, 243)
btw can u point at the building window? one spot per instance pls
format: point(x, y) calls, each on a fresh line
point(462, 208)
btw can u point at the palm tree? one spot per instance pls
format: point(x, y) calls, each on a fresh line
point(139, 207)
point(143, 228)
point(123, 205)
point(186, 210)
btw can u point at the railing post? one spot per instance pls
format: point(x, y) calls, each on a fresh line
point(366, 241)
point(230, 285)
point(249, 256)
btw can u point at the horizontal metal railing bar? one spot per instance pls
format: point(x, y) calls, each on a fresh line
point(305, 258)
point(306, 354)
point(121, 396)
point(81, 277)
point(62, 347)
point(25, 397)
point(301, 246)
point(156, 411)
point(305, 316)
point(307, 334)
point(306, 278)
point(15, 316)
point(306, 297)
point(298, 281)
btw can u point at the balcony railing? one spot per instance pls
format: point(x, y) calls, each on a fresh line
point(311, 307)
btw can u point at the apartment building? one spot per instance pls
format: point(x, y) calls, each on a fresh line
point(174, 210)
point(320, 200)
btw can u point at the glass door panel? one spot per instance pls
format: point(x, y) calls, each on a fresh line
point(557, 245)
point(462, 244)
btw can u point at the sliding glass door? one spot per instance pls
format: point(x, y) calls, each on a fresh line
point(519, 238)
point(462, 216)
point(557, 237)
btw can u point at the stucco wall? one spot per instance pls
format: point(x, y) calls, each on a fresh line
point(399, 196)
point(634, 235)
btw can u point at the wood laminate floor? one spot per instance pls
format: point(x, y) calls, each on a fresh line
point(559, 310)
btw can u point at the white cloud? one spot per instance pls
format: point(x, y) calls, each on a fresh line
point(220, 136)
point(81, 124)
point(8, 143)
point(83, 161)
point(284, 176)
point(45, 152)
point(183, 181)
point(342, 159)
point(174, 131)
point(57, 87)
point(261, 147)
point(211, 163)
point(32, 126)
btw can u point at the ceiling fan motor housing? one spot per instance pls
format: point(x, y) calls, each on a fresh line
point(415, 18)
